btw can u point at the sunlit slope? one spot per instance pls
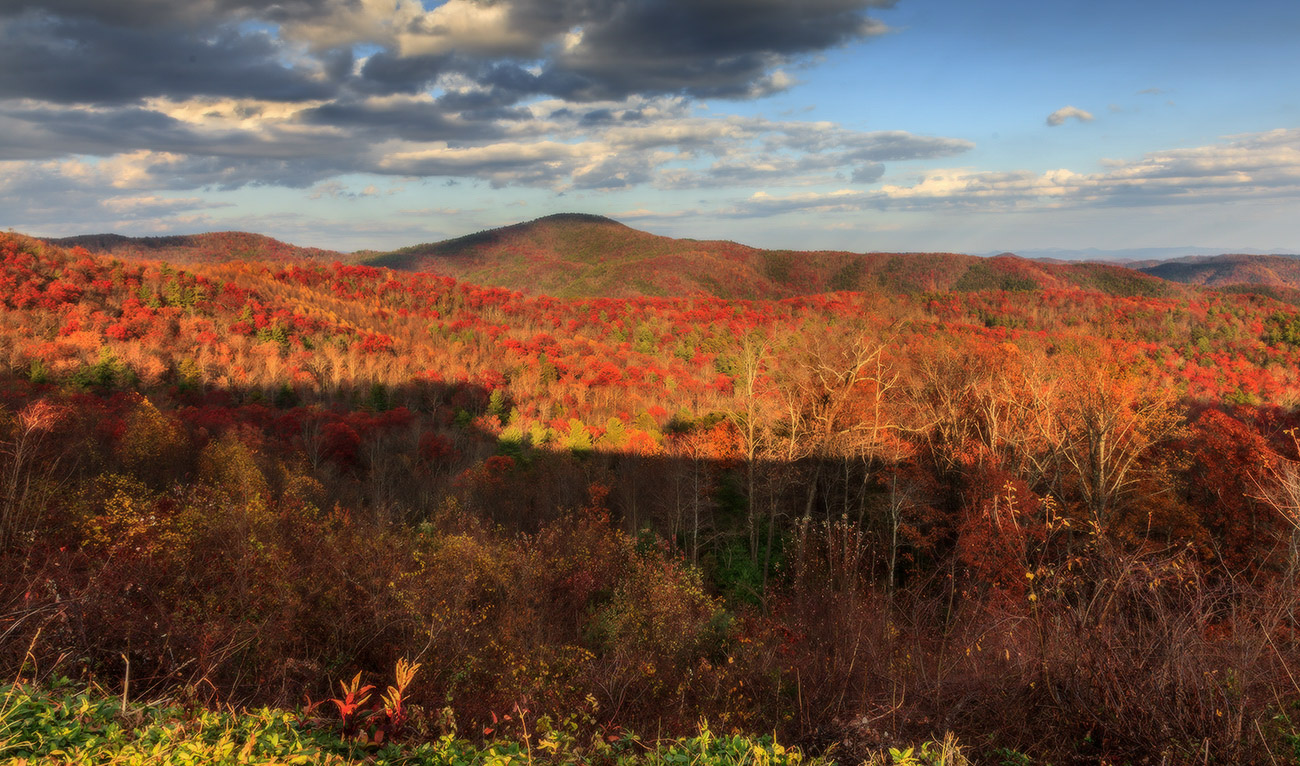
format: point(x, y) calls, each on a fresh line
point(210, 247)
point(573, 255)
point(1232, 269)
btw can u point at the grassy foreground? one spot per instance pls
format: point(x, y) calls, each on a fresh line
point(64, 724)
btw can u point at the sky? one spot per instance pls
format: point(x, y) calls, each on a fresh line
point(863, 125)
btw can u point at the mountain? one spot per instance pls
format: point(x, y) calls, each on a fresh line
point(1231, 269)
point(575, 255)
point(1128, 256)
point(210, 247)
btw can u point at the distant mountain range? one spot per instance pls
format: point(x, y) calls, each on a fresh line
point(1229, 269)
point(578, 255)
point(1128, 256)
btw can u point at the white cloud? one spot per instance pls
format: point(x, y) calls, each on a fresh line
point(1251, 166)
point(467, 26)
point(1067, 113)
point(1243, 167)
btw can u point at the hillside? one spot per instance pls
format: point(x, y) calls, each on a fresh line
point(243, 482)
point(210, 247)
point(1230, 269)
point(574, 255)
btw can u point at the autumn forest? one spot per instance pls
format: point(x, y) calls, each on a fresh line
point(619, 483)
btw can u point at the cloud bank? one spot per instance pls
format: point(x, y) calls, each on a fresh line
point(1257, 166)
point(557, 94)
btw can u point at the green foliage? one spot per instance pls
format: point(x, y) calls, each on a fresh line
point(38, 372)
point(777, 266)
point(1117, 281)
point(735, 574)
point(615, 436)
point(274, 333)
point(1241, 398)
point(104, 374)
point(848, 277)
point(645, 340)
point(148, 295)
point(993, 319)
point(1282, 329)
point(982, 276)
point(59, 724)
point(497, 404)
point(546, 372)
point(578, 439)
point(285, 397)
point(378, 399)
point(188, 374)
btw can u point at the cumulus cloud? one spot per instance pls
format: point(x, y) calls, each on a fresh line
point(1251, 166)
point(558, 94)
point(1068, 113)
point(667, 142)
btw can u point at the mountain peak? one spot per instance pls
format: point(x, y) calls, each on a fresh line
point(577, 255)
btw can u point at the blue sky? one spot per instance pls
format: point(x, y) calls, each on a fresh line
point(846, 124)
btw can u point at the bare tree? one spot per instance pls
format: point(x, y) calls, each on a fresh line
point(751, 359)
point(24, 472)
point(1113, 422)
point(1280, 490)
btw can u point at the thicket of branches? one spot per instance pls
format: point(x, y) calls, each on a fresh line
point(857, 520)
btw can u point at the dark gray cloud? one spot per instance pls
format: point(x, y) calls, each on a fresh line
point(153, 14)
point(705, 48)
point(44, 132)
point(386, 72)
point(47, 133)
point(408, 120)
point(98, 51)
point(73, 60)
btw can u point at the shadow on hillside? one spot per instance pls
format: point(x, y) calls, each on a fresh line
point(246, 545)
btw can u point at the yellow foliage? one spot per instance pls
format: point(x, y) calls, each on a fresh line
point(150, 440)
point(230, 467)
point(120, 513)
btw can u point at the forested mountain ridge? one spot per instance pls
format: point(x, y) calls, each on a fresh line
point(1229, 269)
point(1051, 516)
point(585, 256)
point(574, 255)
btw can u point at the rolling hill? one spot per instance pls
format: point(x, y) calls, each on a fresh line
point(210, 247)
point(575, 255)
